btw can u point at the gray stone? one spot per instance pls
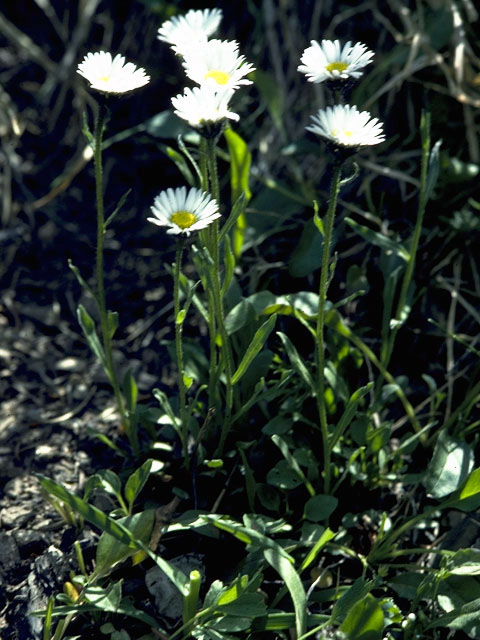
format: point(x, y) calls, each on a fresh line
point(9, 555)
point(168, 599)
point(16, 516)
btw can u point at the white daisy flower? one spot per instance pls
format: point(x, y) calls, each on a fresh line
point(195, 27)
point(184, 212)
point(111, 75)
point(346, 126)
point(218, 64)
point(203, 105)
point(328, 61)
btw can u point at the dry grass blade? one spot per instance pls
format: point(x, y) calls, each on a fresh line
point(20, 39)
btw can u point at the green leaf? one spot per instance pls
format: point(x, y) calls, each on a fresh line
point(317, 220)
point(255, 375)
point(465, 617)
point(294, 585)
point(88, 328)
point(230, 624)
point(357, 592)
point(307, 255)
point(120, 204)
point(233, 592)
point(326, 536)
point(179, 162)
point(213, 594)
point(247, 604)
point(162, 398)
point(89, 512)
point(283, 476)
point(166, 125)
point(83, 283)
point(450, 465)
point(109, 525)
point(272, 95)
point(406, 584)
point(242, 314)
point(433, 169)
point(278, 426)
point(468, 497)
point(349, 413)
point(365, 620)
point(246, 534)
point(303, 302)
point(229, 262)
point(250, 484)
point(136, 482)
point(104, 599)
point(334, 320)
point(238, 209)
point(130, 391)
point(379, 240)
point(297, 362)
point(240, 161)
point(292, 462)
point(255, 346)
point(465, 562)
point(320, 507)
point(110, 552)
point(110, 482)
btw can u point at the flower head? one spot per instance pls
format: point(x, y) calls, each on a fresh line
point(203, 105)
point(111, 75)
point(195, 27)
point(328, 61)
point(183, 212)
point(218, 64)
point(346, 126)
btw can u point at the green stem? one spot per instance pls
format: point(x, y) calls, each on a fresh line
point(320, 337)
point(101, 298)
point(191, 596)
point(203, 164)
point(409, 410)
point(205, 239)
point(422, 202)
point(178, 344)
point(384, 548)
point(217, 296)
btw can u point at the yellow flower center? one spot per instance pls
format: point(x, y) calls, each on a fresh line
point(183, 219)
point(336, 66)
point(220, 77)
point(336, 133)
point(104, 79)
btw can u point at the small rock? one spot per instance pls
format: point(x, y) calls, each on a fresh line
point(30, 542)
point(45, 452)
point(168, 599)
point(9, 555)
point(16, 516)
point(13, 488)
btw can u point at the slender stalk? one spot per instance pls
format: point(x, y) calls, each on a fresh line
point(422, 202)
point(320, 337)
point(203, 163)
point(205, 238)
point(178, 344)
point(101, 297)
point(218, 300)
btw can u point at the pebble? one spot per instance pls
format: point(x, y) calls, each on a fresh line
point(168, 599)
point(9, 554)
point(16, 516)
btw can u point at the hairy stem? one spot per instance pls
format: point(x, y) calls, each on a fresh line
point(320, 331)
point(178, 345)
point(101, 297)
